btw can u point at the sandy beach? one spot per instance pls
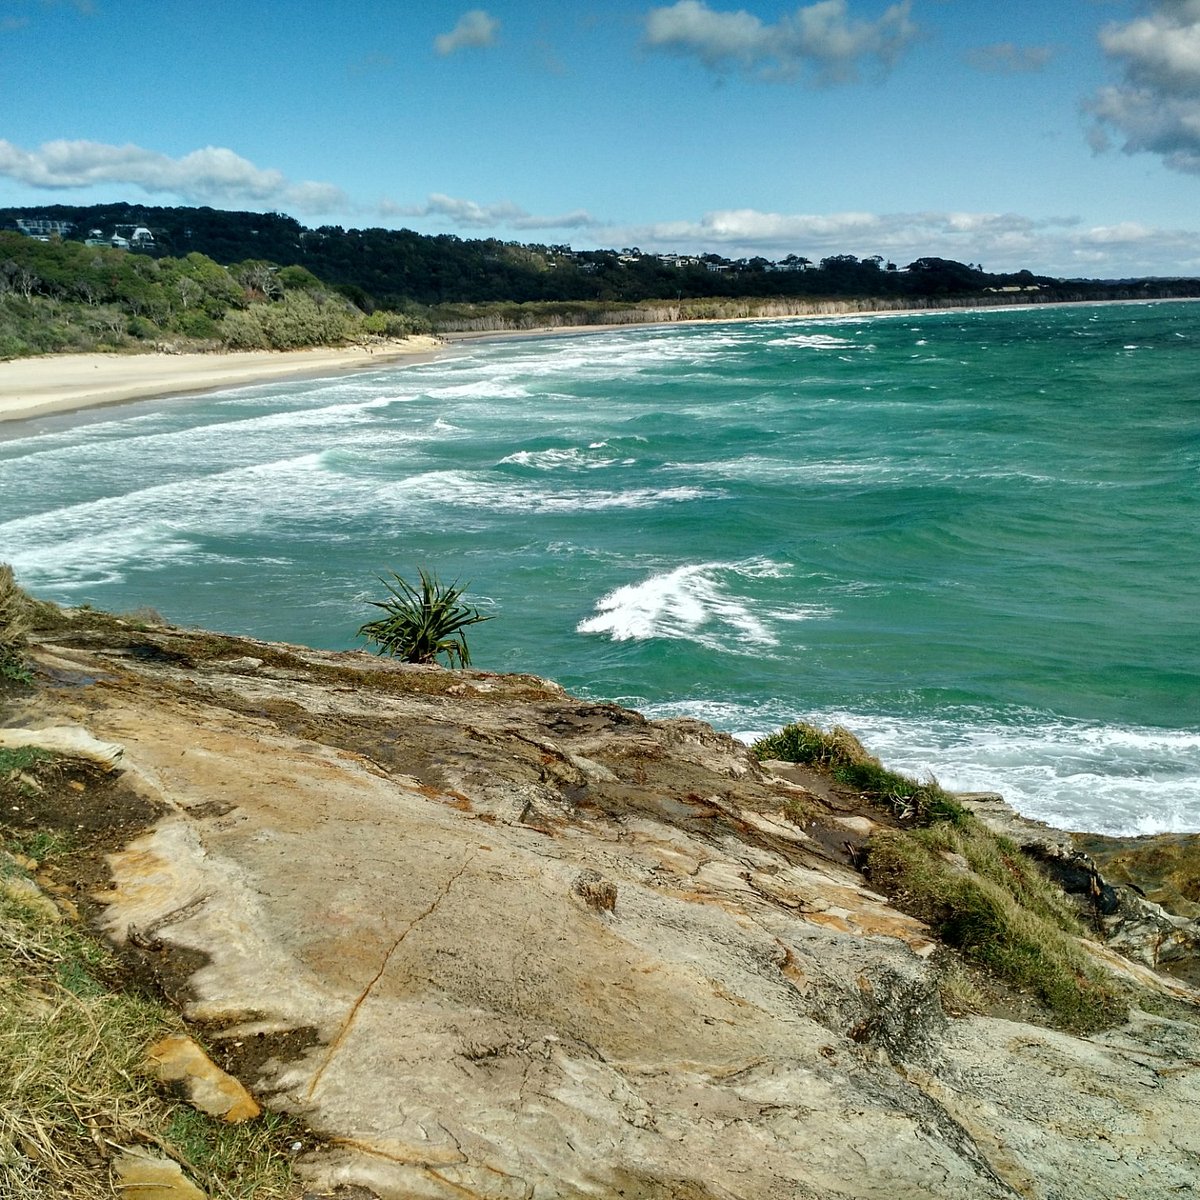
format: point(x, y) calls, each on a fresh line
point(56, 383)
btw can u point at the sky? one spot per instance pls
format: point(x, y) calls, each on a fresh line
point(1062, 136)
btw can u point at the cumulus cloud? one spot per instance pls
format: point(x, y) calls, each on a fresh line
point(474, 29)
point(821, 41)
point(213, 175)
point(833, 233)
point(469, 214)
point(1007, 58)
point(1000, 241)
point(1061, 246)
point(1156, 107)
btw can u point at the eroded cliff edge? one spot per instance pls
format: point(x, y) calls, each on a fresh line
point(491, 940)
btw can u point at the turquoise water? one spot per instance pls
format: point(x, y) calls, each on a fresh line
point(970, 537)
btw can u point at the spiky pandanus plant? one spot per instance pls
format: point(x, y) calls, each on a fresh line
point(418, 625)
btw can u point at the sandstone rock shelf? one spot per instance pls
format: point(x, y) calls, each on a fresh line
point(490, 940)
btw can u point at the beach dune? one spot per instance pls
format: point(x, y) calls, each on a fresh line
point(55, 383)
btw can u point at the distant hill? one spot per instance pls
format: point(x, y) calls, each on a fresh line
point(398, 269)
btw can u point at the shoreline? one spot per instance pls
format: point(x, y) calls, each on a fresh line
point(49, 385)
point(459, 337)
point(56, 384)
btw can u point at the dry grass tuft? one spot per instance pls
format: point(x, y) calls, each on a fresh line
point(14, 626)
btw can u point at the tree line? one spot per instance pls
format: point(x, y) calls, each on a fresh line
point(65, 296)
point(243, 280)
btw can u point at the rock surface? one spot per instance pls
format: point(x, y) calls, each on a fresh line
point(493, 941)
point(178, 1059)
point(149, 1177)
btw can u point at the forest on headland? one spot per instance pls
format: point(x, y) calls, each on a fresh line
point(119, 276)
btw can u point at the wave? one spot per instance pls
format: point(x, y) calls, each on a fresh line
point(818, 341)
point(154, 526)
point(760, 467)
point(695, 603)
point(474, 490)
point(88, 560)
point(551, 459)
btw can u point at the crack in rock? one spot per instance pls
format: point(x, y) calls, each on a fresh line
point(352, 1016)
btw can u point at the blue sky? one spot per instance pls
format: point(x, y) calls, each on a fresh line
point(1062, 136)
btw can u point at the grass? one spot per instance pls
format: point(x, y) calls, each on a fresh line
point(15, 759)
point(974, 888)
point(72, 1088)
point(14, 629)
point(848, 761)
point(980, 896)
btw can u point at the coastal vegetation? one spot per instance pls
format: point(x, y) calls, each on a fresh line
point(240, 280)
point(974, 888)
point(75, 1025)
point(421, 625)
point(65, 296)
point(14, 628)
point(74, 1033)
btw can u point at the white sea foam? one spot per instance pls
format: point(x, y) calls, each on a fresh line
point(157, 525)
point(693, 603)
point(487, 493)
point(88, 560)
point(816, 341)
point(758, 466)
point(554, 458)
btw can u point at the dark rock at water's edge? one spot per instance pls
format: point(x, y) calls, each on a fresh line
point(1141, 893)
point(1163, 867)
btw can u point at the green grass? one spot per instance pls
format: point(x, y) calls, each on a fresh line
point(72, 1084)
point(974, 889)
point(20, 758)
point(846, 760)
point(980, 896)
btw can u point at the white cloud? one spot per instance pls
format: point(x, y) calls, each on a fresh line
point(1008, 241)
point(469, 214)
point(1007, 58)
point(1156, 107)
point(821, 41)
point(1061, 246)
point(213, 175)
point(577, 218)
point(474, 29)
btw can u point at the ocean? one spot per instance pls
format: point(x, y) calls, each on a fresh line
point(973, 538)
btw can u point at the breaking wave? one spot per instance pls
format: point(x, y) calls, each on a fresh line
point(697, 603)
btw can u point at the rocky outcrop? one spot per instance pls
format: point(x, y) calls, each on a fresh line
point(491, 940)
point(1105, 876)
